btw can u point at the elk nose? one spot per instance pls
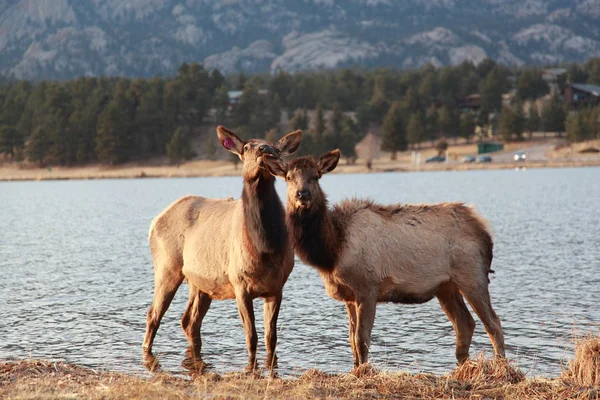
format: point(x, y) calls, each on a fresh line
point(303, 194)
point(265, 148)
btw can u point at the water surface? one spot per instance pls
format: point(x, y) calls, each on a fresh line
point(76, 274)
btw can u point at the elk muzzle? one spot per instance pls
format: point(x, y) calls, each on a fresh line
point(266, 149)
point(303, 198)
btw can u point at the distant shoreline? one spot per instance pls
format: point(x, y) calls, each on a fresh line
point(222, 168)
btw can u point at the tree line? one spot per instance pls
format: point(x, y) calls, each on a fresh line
point(114, 120)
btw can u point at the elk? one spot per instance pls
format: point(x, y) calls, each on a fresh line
point(368, 253)
point(226, 249)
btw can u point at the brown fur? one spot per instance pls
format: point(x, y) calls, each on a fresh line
point(397, 253)
point(225, 249)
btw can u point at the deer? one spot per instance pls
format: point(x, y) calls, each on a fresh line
point(367, 253)
point(226, 249)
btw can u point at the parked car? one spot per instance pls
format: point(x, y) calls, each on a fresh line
point(484, 158)
point(435, 159)
point(520, 156)
point(469, 159)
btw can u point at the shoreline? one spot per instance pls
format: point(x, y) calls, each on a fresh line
point(221, 168)
point(477, 378)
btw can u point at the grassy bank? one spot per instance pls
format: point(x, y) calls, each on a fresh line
point(556, 157)
point(476, 379)
point(222, 168)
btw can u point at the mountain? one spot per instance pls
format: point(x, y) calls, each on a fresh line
point(68, 38)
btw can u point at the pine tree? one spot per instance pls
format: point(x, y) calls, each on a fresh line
point(348, 139)
point(364, 116)
point(318, 128)
point(432, 124)
point(298, 121)
point(394, 135)
point(449, 121)
point(533, 120)
point(38, 146)
point(577, 126)
point(59, 108)
point(108, 140)
point(491, 89)
point(594, 122)
point(467, 126)
point(379, 102)
point(337, 119)
point(553, 116)
point(10, 140)
point(178, 148)
point(414, 130)
point(531, 85)
point(511, 122)
point(210, 148)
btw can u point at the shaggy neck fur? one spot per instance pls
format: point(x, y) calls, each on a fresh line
point(315, 235)
point(264, 217)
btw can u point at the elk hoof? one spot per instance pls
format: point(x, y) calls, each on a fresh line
point(271, 361)
point(194, 365)
point(462, 358)
point(151, 363)
point(251, 367)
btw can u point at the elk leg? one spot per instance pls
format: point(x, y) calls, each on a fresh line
point(351, 309)
point(271, 313)
point(464, 325)
point(246, 310)
point(482, 305)
point(165, 287)
point(365, 312)
point(191, 322)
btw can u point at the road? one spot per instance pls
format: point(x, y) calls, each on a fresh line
point(534, 153)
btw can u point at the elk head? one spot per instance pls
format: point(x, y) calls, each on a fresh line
point(302, 176)
point(254, 151)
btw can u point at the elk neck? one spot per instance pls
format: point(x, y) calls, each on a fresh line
point(316, 236)
point(264, 217)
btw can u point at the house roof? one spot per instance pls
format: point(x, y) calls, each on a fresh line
point(234, 94)
point(554, 71)
point(584, 87)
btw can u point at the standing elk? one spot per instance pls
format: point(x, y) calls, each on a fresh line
point(226, 249)
point(368, 253)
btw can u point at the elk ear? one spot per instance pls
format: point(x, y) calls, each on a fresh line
point(230, 140)
point(275, 166)
point(328, 161)
point(289, 143)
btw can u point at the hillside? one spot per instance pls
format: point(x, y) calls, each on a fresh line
point(68, 38)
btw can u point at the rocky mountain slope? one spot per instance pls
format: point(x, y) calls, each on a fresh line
point(68, 38)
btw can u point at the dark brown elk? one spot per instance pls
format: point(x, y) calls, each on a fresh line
point(226, 249)
point(368, 253)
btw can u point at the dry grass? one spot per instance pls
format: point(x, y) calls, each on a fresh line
point(476, 379)
point(487, 373)
point(584, 369)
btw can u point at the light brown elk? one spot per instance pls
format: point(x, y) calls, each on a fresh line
point(226, 249)
point(368, 253)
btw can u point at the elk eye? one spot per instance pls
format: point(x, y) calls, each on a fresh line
point(246, 148)
point(288, 178)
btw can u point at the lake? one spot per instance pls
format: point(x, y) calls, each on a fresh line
point(76, 276)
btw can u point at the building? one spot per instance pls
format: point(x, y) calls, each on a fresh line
point(489, 147)
point(553, 77)
point(582, 94)
point(471, 102)
point(236, 95)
